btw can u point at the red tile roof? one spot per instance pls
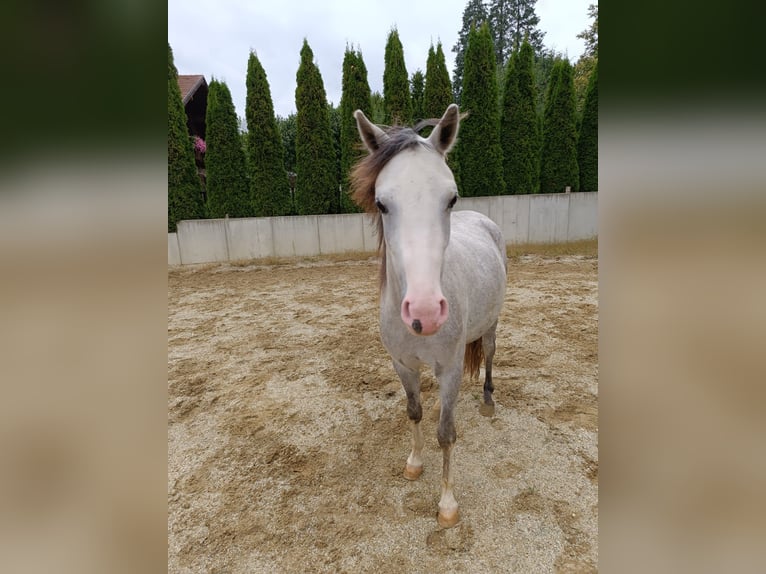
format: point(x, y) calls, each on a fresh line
point(189, 84)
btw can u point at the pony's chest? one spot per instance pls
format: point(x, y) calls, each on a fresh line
point(412, 350)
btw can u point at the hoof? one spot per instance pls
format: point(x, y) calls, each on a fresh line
point(412, 472)
point(486, 410)
point(448, 518)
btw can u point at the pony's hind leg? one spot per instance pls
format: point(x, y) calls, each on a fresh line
point(411, 382)
point(488, 346)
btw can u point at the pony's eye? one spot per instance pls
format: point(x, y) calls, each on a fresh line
point(451, 203)
point(382, 208)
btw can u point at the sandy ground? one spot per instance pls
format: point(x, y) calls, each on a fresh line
point(287, 430)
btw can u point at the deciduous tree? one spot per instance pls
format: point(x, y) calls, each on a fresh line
point(590, 35)
point(587, 62)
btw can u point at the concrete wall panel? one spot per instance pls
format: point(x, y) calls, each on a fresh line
point(340, 233)
point(202, 240)
point(583, 215)
point(174, 255)
point(516, 218)
point(250, 238)
point(495, 210)
point(295, 236)
point(548, 218)
point(369, 235)
point(479, 204)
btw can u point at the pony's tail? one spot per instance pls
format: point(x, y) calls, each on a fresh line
point(474, 355)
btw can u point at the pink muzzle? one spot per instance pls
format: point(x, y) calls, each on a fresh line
point(424, 315)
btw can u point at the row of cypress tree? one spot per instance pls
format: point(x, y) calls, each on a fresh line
point(184, 194)
point(243, 179)
point(508, 149)
point(504, 147)
point(355, 96)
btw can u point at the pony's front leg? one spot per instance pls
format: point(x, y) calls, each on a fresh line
point(411, 382)
point(449, 384)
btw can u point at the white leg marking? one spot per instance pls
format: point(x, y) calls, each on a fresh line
point(414, 466)
point(416, 456)
point(448, 515)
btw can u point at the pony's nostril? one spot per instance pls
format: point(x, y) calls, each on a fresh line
point(417, 326)
point(443, 310)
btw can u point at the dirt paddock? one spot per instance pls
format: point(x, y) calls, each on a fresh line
point(287, 428)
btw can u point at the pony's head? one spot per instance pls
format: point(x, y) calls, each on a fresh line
point(406, 184)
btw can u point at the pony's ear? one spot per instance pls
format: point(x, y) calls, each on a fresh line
point(445, 133)
point(371, 135)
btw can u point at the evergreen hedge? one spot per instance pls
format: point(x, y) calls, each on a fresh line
point(438, 95)
point(474, 14)
point(184, 186)
point(519, 124)
point(587, 142)
point(355, 96)
point(418, 86)
point(396, 83)
point(558, 166)
point(479, 154)
point(269, 186)
point(438, 90)
point(316, 186)
point(227, 189)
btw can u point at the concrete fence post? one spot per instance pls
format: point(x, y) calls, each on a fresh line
point(226, 234)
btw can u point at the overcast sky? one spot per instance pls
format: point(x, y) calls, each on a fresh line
point(214, 38)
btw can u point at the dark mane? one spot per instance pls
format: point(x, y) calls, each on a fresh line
point(365, 173)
